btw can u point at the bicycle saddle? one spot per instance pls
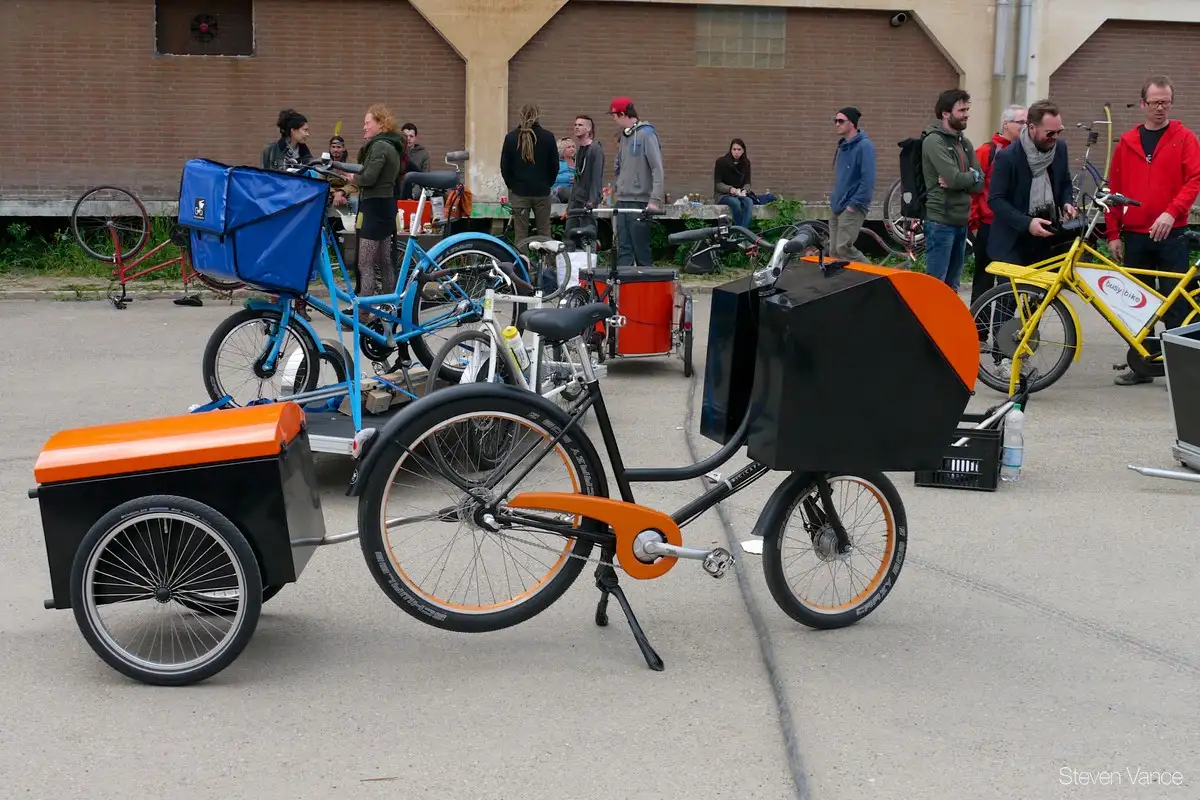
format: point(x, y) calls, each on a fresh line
point(443, 179)
point(561, 324)
point(582, 234)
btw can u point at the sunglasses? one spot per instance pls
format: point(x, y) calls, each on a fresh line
point(840, 120)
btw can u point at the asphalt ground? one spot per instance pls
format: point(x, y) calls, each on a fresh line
point(1039, 644)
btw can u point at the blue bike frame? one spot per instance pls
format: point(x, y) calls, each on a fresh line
point(404, 299)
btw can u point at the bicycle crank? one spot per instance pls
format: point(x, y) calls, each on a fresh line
point(649, 545)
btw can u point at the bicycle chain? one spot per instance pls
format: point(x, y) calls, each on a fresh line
point(599, 561)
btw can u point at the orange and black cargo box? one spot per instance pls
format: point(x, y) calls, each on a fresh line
point(251, 464)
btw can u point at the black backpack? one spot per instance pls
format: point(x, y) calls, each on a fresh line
point(912, 178)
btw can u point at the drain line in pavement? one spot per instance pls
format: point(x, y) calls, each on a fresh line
point(766, 648)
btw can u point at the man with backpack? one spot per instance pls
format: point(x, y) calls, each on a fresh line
point(942, 185)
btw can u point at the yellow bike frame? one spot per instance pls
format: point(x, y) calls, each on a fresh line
point(1054, 275)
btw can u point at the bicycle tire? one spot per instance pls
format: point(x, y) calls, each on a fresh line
point(886, 576)
point(438, 367)
point(892, 202)
point(419, 345)
point(1069, 344)
point(212, 350)
point(220, 287)
point(418, 421)
point(215, 524)
point(132, 253)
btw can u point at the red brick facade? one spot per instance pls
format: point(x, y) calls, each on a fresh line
point(94, 104)
point(1111, 67)
point(590, 52)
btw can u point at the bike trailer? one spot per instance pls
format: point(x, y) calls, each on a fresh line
point(856, 368)
point(256, 226)
point(645, 297)
point(253, 465)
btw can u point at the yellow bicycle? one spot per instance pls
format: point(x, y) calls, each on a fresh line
point(1012, 321)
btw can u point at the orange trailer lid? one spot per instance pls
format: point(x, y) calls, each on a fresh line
point(168, 442)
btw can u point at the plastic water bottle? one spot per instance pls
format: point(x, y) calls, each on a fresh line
point(512, 338)
point(1014, 445)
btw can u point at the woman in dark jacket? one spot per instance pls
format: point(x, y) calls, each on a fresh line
point(731, 179)
point(382, 158)
point(293, 133)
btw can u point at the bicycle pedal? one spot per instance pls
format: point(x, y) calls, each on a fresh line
point(717, 562)
point(617, 321)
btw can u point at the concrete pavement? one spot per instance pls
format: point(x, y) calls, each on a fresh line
point(1046, 626)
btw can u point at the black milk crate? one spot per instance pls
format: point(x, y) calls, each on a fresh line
point(974, 465)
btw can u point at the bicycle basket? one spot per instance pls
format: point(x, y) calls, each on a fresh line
point(256, 226)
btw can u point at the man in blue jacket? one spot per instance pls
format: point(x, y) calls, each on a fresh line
point(853, 185)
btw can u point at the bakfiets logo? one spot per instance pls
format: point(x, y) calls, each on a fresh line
point(1114, 287)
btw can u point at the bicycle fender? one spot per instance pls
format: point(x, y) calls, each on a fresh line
point(267, 305)
point(780, 503)
point(450, 241)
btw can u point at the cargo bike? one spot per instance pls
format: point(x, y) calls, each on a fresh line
point(272, 230)
point(200, 518)
point(651, 310)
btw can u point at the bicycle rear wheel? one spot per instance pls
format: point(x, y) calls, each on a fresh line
point(473, 261)
point(412, 540)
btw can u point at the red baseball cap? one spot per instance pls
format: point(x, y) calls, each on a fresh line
point(619, 105)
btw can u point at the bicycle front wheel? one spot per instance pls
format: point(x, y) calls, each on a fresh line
point(233, 362)
point(802, 548)
point(443, 546)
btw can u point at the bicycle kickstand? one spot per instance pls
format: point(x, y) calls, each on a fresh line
point(119, 303)
point(606, 582)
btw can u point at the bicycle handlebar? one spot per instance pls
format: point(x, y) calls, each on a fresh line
point(694, 235)
point(717, 231)
point(804, 239)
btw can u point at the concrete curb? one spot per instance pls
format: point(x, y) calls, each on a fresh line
point(65, 295)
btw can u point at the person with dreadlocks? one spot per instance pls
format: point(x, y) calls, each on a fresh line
point(529, 165)
point(293, 133)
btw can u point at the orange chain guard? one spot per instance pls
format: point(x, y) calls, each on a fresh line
point(627, 520)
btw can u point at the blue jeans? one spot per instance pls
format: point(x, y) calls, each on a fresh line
point(743, 208)
point(945, 251)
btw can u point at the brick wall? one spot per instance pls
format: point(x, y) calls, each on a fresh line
point(1111, 67)
point(590, 52)
point(90, 103)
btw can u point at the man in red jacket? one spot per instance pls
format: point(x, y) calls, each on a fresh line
point(980, 222)
point(1158, 164)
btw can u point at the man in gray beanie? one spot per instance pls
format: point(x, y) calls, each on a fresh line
point(853, 185)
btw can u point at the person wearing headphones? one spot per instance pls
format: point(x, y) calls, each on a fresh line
point(639, 173)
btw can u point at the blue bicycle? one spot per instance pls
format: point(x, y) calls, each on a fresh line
point(272, 231)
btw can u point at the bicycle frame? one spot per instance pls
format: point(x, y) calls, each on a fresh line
point(402, 297)
point(1092, 281)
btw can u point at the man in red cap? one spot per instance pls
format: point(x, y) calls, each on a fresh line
point(639, 173)
point(1158, 164)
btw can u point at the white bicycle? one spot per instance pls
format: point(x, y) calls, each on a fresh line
point(496, 353)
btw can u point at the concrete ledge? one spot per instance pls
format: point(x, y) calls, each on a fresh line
point(480, 209)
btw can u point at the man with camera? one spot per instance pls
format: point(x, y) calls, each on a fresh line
point(1031, 194)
